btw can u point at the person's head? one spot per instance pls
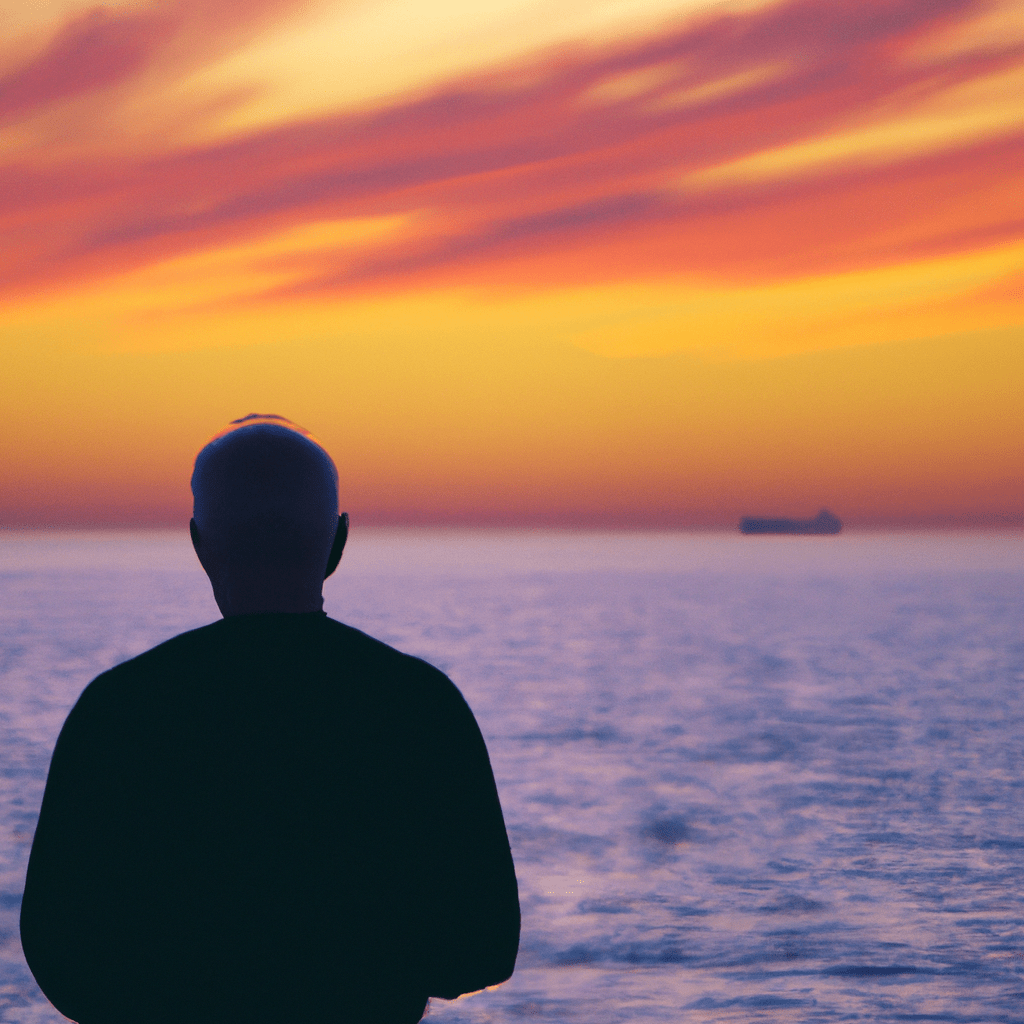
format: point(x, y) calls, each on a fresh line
point(265, 516)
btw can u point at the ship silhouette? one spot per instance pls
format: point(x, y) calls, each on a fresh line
point(823, 522)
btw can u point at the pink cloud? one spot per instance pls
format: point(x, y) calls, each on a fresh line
point(96, 50)
point(101, 48)
point(518, 171)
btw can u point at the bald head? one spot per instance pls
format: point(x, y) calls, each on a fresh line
point(265, 516)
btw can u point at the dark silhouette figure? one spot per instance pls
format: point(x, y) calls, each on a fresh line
point(274, 818)
point(824, 522)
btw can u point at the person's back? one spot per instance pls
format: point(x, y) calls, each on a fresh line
point(271, 818)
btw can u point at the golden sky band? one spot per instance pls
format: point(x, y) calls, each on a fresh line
point(637, 264)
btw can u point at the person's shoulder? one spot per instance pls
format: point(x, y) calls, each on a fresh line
point(213, 652)
point(183, 645)
point(122, 693)
point(409, 687)
point(373, 652)
point(165, 655)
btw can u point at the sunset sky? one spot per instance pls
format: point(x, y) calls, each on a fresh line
point(630, 263)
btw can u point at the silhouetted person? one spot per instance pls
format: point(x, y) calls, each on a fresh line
point(274, 818)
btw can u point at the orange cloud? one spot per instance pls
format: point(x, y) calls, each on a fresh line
point(587, 169)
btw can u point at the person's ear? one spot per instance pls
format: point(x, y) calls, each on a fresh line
point(197, 542)
point(338, 547)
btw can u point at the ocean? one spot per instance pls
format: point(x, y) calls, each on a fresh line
point(744, 778)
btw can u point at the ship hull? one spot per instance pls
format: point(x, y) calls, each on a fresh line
point(823, 523)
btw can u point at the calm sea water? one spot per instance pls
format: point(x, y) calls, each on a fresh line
point(744, 778)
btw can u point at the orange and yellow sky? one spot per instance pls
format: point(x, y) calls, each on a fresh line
point(610, 263)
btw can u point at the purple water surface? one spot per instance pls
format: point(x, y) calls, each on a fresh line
point(744, 778)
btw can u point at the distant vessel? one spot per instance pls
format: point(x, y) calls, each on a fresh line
point(823, 522)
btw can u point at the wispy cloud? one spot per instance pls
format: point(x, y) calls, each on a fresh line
point(103, 48)
point(583, 165)
point(94, 51)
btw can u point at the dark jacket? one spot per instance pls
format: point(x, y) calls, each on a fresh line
point(274, 817)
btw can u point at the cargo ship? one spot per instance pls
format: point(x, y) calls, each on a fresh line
point(824, 522)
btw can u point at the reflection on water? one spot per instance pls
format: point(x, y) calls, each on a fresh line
point(744, 777)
